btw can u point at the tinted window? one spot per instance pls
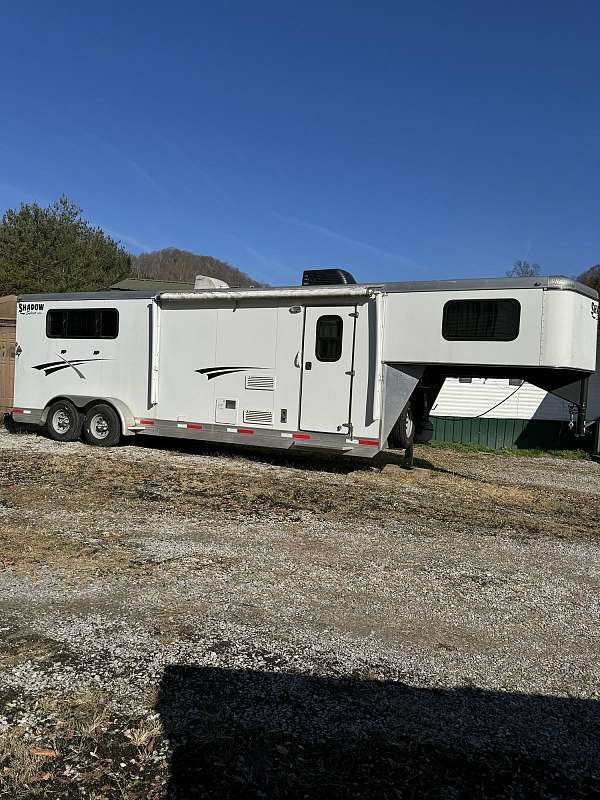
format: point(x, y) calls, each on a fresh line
point(82, 323)
point(481, 320)
point(329, 338)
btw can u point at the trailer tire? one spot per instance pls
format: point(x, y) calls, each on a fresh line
point(102, 426)
point(403, 433)
point(63, 422)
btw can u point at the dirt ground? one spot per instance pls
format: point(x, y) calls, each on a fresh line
point(189, 622)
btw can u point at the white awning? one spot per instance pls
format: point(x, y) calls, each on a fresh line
point(291, 293)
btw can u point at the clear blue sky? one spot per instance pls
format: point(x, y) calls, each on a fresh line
point(398, 140)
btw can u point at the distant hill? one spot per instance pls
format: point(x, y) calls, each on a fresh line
point(171, 264)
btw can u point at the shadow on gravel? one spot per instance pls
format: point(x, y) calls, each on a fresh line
point(319, 461)
point(249, 734)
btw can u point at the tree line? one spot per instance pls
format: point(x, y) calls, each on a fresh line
point(55, 249)
point(172, 264)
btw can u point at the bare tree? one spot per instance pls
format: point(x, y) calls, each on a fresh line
point(591, 277)
point(523, 269)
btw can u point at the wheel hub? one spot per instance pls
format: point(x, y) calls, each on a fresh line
point(99, 426)
point(61, 421)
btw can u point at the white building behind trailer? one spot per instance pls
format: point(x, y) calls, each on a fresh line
point(509, 413)
point(343, 366)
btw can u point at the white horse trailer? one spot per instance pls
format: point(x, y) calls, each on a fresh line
point(346, 367)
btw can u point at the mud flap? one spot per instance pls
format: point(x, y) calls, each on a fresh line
point(399, 382)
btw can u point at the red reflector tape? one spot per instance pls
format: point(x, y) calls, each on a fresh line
point(18, 410)
point(147, 422)
point(371, 442)
point(194, 426)
point(301, 436)
point(245, 430)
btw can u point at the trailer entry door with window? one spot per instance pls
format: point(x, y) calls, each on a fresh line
point(327, 365)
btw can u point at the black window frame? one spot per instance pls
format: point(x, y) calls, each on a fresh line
point(67, 311)
point(480, 337)
point(327, 318)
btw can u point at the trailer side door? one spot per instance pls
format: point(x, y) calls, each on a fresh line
point(327, 369)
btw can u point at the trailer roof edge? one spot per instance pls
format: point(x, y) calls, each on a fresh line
point(548, 283)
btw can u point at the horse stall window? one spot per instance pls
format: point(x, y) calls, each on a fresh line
point(481, 320)
point(82, 323)
point(328, 346)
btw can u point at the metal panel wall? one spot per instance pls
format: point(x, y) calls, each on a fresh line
point(510, 433)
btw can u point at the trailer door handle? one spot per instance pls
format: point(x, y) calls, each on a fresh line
point(308, 365)
point(297, 359)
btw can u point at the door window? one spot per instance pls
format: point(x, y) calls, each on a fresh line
point(328, 345)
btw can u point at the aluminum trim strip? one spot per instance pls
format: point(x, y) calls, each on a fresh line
point(548, 283)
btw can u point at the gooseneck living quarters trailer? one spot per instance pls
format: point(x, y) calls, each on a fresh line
point(345, 367)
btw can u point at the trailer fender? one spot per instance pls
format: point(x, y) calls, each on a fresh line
point(82, 401)
point(124, 412)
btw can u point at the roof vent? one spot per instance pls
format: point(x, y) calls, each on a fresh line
point(206, 282)
point(326, 277)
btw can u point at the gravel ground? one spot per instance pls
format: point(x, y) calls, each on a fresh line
point(185, 622)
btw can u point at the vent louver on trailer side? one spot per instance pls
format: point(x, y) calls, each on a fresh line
point(258, 417)
point(327, 277)
point(264, 382)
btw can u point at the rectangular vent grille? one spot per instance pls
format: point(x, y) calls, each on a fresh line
point(264, 382)
point(258, 417)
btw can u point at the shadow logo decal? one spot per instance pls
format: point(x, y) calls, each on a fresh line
point(216, 372)
point(56, 366)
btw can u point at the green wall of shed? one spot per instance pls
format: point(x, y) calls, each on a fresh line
point(512, 433)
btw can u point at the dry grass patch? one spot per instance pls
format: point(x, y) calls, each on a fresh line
point(29, 545)
point(84, 714)
point(22, 764)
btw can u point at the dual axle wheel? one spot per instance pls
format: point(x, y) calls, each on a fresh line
point(100, 424)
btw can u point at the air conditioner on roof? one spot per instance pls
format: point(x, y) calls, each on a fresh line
point(205, 282)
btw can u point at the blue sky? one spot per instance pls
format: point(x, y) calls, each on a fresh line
point(397, 140)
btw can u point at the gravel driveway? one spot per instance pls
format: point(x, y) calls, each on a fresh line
point(185, 622)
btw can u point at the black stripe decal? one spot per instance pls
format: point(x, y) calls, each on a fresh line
point(206, 370)
point(55, 366)
point(225, 372)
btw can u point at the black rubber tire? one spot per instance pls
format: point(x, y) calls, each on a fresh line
point(403, 432)
point(63, 422)
point(102, 417)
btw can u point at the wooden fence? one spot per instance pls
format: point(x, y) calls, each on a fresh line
point(8, 308)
